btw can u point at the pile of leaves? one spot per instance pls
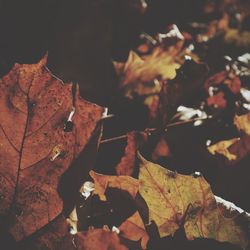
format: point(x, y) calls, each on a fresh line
point(66, 185)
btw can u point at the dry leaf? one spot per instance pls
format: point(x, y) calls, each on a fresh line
point(133, 228)
point(161, 150)
point(222, 148)
point(243, 123)
point(174, 199)
point(54, 236)
point(57, 237)
point(237, 148)
point(98, 239)
point(34, 148)
point(127, 164)
point(102, 182)
point(218, 100)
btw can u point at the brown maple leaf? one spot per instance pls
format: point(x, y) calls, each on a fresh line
point(35, 150)
point(174, 199)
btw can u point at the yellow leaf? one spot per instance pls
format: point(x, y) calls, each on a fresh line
point(242, 122)
point(174, 199)
point(102, 182)
point(222, 148)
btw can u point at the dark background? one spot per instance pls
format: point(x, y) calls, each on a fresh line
point(82, 36)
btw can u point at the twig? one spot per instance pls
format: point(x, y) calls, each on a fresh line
point(148, 130)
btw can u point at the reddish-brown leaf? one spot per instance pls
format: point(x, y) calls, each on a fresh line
point(133, 229)
point(98, 239)
point(34, 148)
point(57, 237)
point(127, 164)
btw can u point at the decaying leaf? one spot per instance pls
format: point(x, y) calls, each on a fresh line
point(132, 228)
point(242, 122)
point(96, 239)
point(57, 237)
point(35, 149)
point(218, 100)
point(127, 164)
point(237, 148)
point(222, 148)
point(161, 150)
point(237, 38)
point(102, 182)
point(54, 236)
point(171, 196)
point(138, 75)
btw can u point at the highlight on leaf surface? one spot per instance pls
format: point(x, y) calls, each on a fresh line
point(35, 150)
point(174, 199)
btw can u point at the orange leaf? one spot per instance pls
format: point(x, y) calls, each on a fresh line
point(133, 229)
point(127, 164)
point(102, 182)
point(98, 239)
point(35, 150)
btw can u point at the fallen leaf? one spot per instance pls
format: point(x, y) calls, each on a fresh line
point(218, 100)
point(222, 148)
point(54, 236)
point(237, 38)
point(98, 239)
point(102, 182)
point(57, 237)
point(241, 148)
point(35, 150)
point(137, 75)
point(242, 122)
point(132, 228)
point(174, 199)
point(127, 164)
point(161, 150)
